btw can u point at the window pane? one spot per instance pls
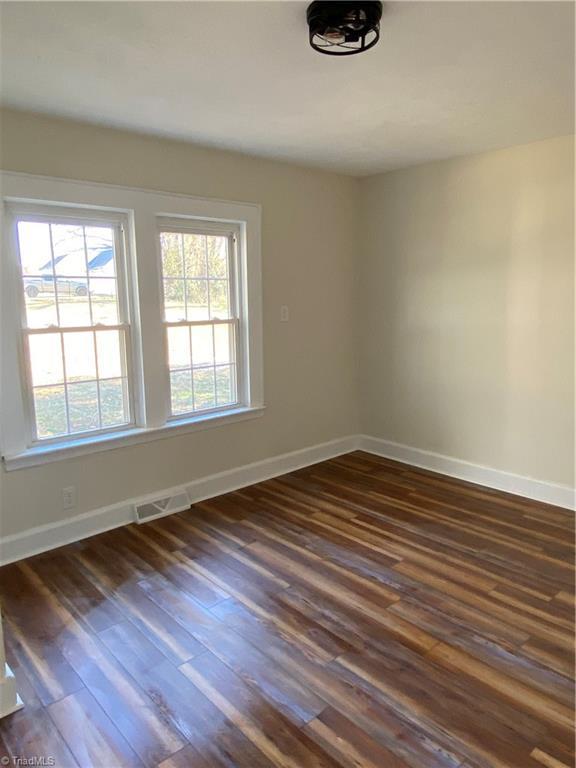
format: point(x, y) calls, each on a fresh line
point(171, 249)
point(225, 394)
point(181, 391)
point(204, 396)
point(100, 251)
point(219, 303)
point(174, 302)
point(79, 356)
point(224, 343)
point(114, 402)
point(195, 255)
point(197, 298)
point(69, 250)
point(104, 299)
point(50, 408)
point(46, 359)
point(179, 348)
point(217, 248)
point(110, 354)
point(40, 302)
point(34, 247)
point(83, 406)
point(70, 281)
point(202, 345)
point(73, 302)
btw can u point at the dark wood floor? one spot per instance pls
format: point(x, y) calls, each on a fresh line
point(356, 613)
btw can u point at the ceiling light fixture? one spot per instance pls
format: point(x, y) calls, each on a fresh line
point(344, 27)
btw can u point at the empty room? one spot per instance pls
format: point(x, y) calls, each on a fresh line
point(287, 363)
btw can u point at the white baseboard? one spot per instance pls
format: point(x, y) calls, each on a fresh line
point(550, 493)
point(46, 537)
point(52, 535)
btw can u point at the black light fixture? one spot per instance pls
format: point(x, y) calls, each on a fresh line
point(343, 27)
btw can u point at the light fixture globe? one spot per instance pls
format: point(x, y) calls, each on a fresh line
point(342, 27)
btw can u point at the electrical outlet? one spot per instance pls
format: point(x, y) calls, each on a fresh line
point(284, 314)
point(69, 497)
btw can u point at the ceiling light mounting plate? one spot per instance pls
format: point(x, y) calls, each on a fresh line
point(344, 27)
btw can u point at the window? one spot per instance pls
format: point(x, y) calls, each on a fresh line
point(127, 315)
point(201, 316)
point(75, 324)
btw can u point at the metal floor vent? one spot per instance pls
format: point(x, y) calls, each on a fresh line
point(151, 508)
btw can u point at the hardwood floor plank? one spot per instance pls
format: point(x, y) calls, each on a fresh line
point(474, 729)
point(505, 658)
point(523, 696)
point(547, 760)
point(30, 733)
point(34, 627)
point(31, 738)
point(273, 734)
point(132, 603)
point(77, 592)
point(140, 722)
point(400, 541)
point(366, 710)
point(551, 654)
point(532, 625)
point(313, 639)
point(204, 590)
point(234, 757)
point(358, 613)
point(308, 576)
point(251, 665)
point(274, 533)
point(101, 742)
point(350, 745)
point(211, 734)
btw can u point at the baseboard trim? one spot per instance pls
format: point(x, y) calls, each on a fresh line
point(50, 536)
point(538, 490)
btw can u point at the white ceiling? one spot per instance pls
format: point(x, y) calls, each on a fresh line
point(447, 78)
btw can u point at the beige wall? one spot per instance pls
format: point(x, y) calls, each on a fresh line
point(447, 328)
point(467, 308)
point(308, 251)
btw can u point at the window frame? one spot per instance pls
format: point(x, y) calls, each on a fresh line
point(55, 214)
point(234, 235)
point(140, 211)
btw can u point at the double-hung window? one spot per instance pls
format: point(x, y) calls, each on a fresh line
point(127, 315)
point(201, 315)
point(75, 323)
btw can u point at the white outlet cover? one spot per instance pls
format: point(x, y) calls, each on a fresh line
point(69, 497)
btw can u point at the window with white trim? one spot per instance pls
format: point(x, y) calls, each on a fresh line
point(127, 315)
point(200, 303)
point(75, 323)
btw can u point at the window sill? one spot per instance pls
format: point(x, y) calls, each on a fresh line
point(45, 454)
